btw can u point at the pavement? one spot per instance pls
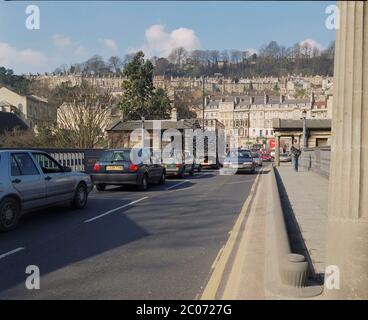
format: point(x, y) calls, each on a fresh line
point(304, 195)
point(126, 244)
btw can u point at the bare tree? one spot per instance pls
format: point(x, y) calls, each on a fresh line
point(225, 56)
point(115, 64)
point(236, 56)
point(84, 116)
point(178, 55)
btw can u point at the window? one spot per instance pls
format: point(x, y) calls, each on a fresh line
point(22, 164)
point(48, 164)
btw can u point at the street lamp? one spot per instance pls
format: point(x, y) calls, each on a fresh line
point(304, 119)
point(142, 132)
point(203, 101)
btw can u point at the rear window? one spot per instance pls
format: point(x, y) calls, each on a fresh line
point(115, 156)
point(125, 155)
point(239, 154)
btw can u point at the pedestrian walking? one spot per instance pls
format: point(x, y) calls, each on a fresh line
point(295, 154)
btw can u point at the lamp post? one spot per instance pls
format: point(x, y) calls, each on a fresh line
point(142, 132)
point(304, 119)
point(203, 102)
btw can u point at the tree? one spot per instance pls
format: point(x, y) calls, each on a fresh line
point(115, 64)
point(95, 65)
point(83, 116)
point(14, 82)
point(139, 98)
point(162, 66)
point(177, 56)
point(185, 102)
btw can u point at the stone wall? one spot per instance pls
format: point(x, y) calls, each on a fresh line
point(317, 160)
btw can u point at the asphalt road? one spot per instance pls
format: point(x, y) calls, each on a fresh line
point(126, 244)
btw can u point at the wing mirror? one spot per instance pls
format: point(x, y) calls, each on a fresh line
point(67, 169)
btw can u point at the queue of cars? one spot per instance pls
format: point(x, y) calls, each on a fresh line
point(31, 179)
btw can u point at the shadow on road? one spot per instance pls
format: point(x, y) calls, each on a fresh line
point(72, 241)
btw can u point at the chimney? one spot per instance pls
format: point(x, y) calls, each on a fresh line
point(174, 115)
point(282, 98)
point(266, 98)
point(251, 100)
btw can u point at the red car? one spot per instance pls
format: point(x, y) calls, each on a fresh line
point(266, 157)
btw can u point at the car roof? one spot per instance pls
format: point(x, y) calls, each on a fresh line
point(20, 150)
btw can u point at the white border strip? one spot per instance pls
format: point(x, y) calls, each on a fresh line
point(113, 210)
point(11, 252)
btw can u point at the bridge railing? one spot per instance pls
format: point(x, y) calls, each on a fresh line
point(317, 160)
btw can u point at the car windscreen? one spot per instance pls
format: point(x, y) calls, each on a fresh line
point(239, 154)
point(115, 156)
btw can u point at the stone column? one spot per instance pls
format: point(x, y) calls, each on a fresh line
point(347, 235)
point(277, 150)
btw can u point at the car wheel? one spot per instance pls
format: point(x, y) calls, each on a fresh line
point(80, 196)
point(162, 179)
point(143, 185)
point(101, 187)
point(9, 214)
point(182, 175)
point(191, 172)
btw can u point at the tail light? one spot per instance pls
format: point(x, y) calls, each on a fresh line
point(133, 167)
point(96, 167)
point(178, 165)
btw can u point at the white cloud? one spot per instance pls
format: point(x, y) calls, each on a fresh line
point(159, 42)
point(251, 51)
point(60, 41)
point(312, 43)
point(20, 59)
point(110, 44)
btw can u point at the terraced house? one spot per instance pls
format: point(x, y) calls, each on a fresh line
point(252, 116)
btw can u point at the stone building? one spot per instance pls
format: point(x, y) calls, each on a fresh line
point(36, 110)
point(252, 115)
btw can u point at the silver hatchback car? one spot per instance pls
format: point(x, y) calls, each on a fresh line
point(31, 180)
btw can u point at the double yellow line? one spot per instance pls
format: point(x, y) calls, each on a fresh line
point(222, 258)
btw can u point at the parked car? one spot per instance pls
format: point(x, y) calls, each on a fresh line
point(257, 159)
point(197, 165)
point(241, 160)
point(272, 154)
point(116, 167)
point(266, 157)
point(177, 165)
point(285, 157)
point(30, 180)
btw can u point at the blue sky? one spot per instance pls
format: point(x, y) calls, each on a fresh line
point(73, 31)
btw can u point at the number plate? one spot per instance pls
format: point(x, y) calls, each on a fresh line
point(114, 168)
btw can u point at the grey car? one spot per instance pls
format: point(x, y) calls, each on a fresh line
point(119, 167)
point(30, 180)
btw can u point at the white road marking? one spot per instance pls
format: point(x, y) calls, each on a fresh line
point(242, 181)
point(113, 210)
point(11, 252)
point(178, 184)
